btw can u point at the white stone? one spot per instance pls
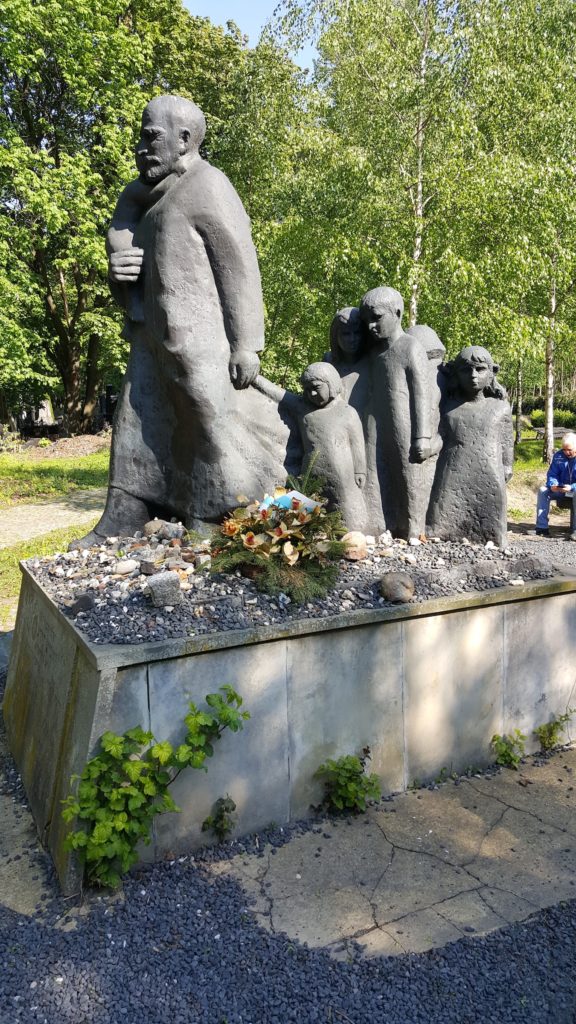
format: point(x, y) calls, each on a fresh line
point(356, 547)
point(125, 566)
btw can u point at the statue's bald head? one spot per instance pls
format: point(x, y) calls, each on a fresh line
point(178, 113)
point(171, 127)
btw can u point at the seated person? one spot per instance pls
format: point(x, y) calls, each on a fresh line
point(560, 486)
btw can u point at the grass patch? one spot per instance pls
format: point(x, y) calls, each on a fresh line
point(47, 544)
point(24, 479)
point(517, 515)
point(528, 455)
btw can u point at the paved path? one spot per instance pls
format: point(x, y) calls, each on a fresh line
point(23, 522)
point(426, 868)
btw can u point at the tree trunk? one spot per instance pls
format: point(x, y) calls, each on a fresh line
point(419, 203)
point(549, 400)
point(418, 200)
point(518, 433)
point(92, 381)
point(72, 380)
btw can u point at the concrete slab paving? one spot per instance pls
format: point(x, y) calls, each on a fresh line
point(426, 868)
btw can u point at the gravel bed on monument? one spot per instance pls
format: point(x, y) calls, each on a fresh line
point(158, 586)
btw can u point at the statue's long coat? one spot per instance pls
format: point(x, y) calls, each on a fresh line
point(186, 442)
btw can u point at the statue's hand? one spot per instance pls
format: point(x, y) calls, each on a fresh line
point(244, 367)
point(360, 479)
point(420, 449)
point(125, 265)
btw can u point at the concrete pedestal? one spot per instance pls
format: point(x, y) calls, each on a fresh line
point(425, 686)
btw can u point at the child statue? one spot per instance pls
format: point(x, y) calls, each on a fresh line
point(348, 345)
point(397, 422)
point(331, 435)
point(469, 491)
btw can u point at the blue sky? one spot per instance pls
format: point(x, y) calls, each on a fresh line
point(250, 18)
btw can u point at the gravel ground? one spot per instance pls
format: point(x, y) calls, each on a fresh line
point(182, 947)
point(106, 592)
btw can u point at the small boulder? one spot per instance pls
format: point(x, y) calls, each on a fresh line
point(83, 603)
point(149, 567)
point(397, 587)
point(356, 546)
point(153, 527)
point(125, 566)
point(171, 531)
point(164, 589)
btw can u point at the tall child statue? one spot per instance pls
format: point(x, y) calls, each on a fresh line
point(469, 492)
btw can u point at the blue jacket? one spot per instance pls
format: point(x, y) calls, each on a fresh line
point(562, 471)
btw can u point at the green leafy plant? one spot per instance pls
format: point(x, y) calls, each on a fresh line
point(549, 734)
point(221, 822)
point(509, 749)
point(125, 786)
point(347, 787)
point(284, 550)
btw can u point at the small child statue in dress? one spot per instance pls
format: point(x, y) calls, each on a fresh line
point(331, 435)
point(469, 491)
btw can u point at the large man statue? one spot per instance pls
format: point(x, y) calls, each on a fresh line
point(189, 433)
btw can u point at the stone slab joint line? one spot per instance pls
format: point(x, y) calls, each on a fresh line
point(457, 867)
point(483, 839)
point(524, 810)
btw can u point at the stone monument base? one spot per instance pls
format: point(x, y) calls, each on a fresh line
point(425, 686)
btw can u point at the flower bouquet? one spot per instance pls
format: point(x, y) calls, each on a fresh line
point(288, 543)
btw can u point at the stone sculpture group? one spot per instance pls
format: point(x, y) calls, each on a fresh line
point(405, 442)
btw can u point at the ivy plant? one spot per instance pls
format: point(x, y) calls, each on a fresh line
point(125, 786)
point(509, 748)
point(347, 786)
point(550, 733)
point(222, 821)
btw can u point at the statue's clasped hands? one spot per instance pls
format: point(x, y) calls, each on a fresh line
point(244, 367)
point(126, 265)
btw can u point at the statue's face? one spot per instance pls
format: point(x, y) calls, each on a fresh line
point(349, 337)
point(317, 392)
point(473, 378)
point(381, 320)
point(160, 145)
